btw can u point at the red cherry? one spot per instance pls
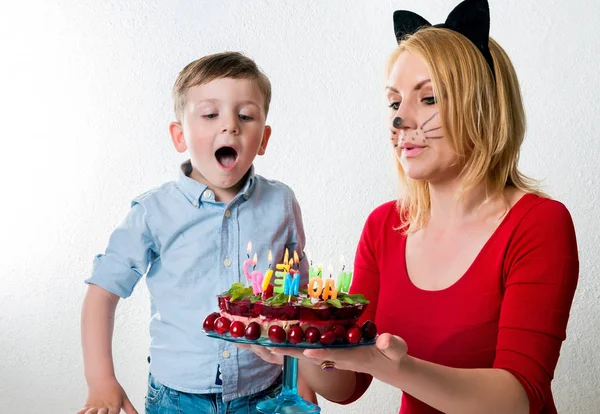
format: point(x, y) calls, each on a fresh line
point(276, 334)
point(237, 329)
point(268, 292)
point(354, 335)
point(296, 335)
point(339, 331)
point(253, 331)
point(209, 322)
point(222, 325)
point(328, 338)
point(312, 334)
point(369, 330)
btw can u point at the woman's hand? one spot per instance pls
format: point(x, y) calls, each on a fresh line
point(377, 360)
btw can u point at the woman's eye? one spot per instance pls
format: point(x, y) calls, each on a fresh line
point(430, 100)
point(210, 116)
point(245, 117)
point(394, 105)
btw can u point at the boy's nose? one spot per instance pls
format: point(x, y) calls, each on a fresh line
point(230, 125)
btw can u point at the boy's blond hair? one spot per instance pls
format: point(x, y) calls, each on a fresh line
point(483, 117)
point(232, 65)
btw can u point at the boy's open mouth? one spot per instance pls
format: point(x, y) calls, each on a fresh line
point(226, 156)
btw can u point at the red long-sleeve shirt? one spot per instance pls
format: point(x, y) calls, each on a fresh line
point(509, 310)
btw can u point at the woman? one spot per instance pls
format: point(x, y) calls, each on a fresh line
point(471, 274)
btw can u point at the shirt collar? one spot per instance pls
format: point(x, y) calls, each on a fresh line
point(195, 191)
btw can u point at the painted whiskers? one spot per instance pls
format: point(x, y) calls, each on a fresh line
point(415, 135)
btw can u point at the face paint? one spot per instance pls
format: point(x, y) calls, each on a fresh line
point(397, 122)
point(431, 129)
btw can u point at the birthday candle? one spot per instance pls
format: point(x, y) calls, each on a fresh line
point(344, 278)
point(257, 278)
point(269, 274)
point(329, 291)
point(282, 270)
point(248, 262)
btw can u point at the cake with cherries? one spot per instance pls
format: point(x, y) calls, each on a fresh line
point(317, 314)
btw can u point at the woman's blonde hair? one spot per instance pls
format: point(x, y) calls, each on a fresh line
point(482, 115)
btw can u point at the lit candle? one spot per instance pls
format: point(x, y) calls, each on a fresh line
point(281, 270)
point(248, 261)
point(269, 274)
point(329, 290)
point(257, 278)
point(344, 278)
point(292, 283)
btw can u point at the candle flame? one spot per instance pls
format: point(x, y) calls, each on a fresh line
point(255, 259)
point(249, 249)
point(330, 269)
point(296, 260)
point(342, 261)
point(308, 256)
point(291, 262)
point(285, 256)
point(270, 257)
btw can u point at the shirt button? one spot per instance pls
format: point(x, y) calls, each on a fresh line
point(246, 194)
point(195, 203)
point(227, 213)
point(226, 354)
point(208, 194)
point(227, 262)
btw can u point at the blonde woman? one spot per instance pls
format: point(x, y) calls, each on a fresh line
point(471, 274)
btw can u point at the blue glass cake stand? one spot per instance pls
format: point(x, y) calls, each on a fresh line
point(288, 401)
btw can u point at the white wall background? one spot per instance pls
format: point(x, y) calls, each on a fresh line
point(84, 109)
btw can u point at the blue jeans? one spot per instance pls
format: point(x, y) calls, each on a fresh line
point(164, 400)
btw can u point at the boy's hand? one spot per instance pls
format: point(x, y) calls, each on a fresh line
point(107, 397)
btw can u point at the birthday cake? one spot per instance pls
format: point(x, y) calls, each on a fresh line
point(322, 312)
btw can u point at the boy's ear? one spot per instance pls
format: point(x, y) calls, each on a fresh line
point(265, 140)
point(177, 137)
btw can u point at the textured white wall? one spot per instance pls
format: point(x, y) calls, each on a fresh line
point(85, 104)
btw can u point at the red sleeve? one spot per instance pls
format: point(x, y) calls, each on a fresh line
point(540, 275)
point(365, 280)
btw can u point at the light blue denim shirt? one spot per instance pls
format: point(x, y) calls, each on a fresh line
point(192, 248)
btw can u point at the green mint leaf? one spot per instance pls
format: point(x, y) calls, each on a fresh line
point(234, 287)
point(335, 302)
point(348, 299)
point(358, 298)
point(307, 302)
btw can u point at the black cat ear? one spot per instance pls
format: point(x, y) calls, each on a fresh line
point(407, 23)
point(471, 18)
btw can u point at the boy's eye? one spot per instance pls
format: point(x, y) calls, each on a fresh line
point(210, 116)
point(245, 117)
point(395, 105)
point(430, 100)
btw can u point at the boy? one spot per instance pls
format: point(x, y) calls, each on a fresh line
point(190, 238)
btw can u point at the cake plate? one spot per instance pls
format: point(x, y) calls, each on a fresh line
point(288, 401)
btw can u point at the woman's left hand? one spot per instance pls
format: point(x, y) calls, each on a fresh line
point(376, 360)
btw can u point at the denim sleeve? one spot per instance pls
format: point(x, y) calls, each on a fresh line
point(298, 238)
point(128, 255)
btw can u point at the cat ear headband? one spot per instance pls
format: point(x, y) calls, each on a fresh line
point(471, 18)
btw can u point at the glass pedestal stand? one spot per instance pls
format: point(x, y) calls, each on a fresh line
point(288, 401)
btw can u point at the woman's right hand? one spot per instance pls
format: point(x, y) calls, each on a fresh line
point(107, 397)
